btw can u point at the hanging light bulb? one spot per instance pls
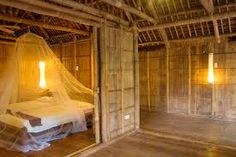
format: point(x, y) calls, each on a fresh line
point(210, 68)
point(42, 79)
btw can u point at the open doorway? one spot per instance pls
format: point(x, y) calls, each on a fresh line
point(77, 53)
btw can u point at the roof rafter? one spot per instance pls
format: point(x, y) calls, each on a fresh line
point(47, 12)
point(41, 24)
point(209, 7)
point(190, 21)
point(90, 10)
point(125, 7)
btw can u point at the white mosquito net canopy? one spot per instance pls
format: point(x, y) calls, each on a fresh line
point(34, 74)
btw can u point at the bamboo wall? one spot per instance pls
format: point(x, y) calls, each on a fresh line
point(5, 49)
point(189, 91)
point(118, 82)
point(76, 57)
point(152, 80)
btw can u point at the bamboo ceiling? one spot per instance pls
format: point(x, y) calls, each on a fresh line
point(158, 21)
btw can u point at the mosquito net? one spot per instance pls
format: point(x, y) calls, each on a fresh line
point(36, 91)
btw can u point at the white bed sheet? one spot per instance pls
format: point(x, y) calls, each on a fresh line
point(51, 114)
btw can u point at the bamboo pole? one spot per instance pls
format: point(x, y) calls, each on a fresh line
point(167, 81)
point(75, 57)
point(41, 24)
point(60, 9)
point(7, 37)
point(90, 10)
point(194, 39)
point(7, 42)
point(128, 8)
point(122, 82)
point(189, 80)
point(92, 60)
point(96, 85)
point(190, 21)
point(42, 11)
point(104, 85)
point(148, 82)
point(136, 79)
point(6, 30)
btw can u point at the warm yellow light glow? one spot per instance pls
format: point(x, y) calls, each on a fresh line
point(210, 68)
point(42, 79)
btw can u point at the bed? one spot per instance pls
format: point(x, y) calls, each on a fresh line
point(35, 123)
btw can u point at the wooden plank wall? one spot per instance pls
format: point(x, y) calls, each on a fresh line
point(152, 80)
point(5, 49)
point(118, 82)
point(76, 55)
point(189, 90)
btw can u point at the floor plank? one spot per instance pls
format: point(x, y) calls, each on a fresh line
point(199, 128)
point(58, 148)
point(143, 145)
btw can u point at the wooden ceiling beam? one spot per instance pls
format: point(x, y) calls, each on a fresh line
point(190, 21)
point(208, 5)
point(6, 30)
point(61, 9)
point(193, 39)
point(90, 10)
point(125, 7)
point(7, 37)
point(47, 12)
point(10, 26)
point(41, 24)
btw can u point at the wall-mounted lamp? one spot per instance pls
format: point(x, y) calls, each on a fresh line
point(42, 79)
point(211, 68)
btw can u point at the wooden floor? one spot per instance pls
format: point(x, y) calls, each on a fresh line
point(143, 145)
point(199, 128)
point(58, 148)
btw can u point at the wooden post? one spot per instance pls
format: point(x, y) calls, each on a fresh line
point(122, 82)
point(104, 85)
point(213, 86)
point(94, 43)
point(148, 81)
point(136, 80)
point(75, 57)
point(189, 80)
point(61, 51)
point(167, 81)
point(92, 46)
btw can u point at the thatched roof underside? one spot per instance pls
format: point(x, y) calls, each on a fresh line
point(158, 21)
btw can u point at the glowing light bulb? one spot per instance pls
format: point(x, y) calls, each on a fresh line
point(211, 79)
point(42, 79)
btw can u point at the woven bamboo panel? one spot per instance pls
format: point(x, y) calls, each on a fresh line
point(205, 99)
point(5, 49)
point(119, 75)
point(152, 72)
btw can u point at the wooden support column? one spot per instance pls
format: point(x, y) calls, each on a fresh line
point(92, 60)
point(61, 51)
point(148, 82)
point(104, 85)
point(122, 82)
point(189, 80)
point(167, 81)
point(209, 7)
point(136, 80)
point(95, 73)
point(216, 31)
point(75, 57)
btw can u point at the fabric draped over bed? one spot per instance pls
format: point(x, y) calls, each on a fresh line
point(20, 85)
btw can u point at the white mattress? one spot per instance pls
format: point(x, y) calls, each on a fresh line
point(45, 108)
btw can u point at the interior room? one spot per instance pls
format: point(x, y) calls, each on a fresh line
point(105, 78)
